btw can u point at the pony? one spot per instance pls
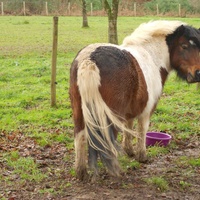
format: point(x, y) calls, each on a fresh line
point(113, 85)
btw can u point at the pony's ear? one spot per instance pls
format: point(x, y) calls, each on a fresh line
point(176, 34)
point(180, 30)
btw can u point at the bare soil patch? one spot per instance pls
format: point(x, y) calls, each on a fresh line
point(57, 162)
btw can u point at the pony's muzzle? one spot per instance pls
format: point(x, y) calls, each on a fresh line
point(197, 75)
point(193, 78)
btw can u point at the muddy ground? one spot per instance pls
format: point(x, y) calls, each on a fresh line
point(57, 162)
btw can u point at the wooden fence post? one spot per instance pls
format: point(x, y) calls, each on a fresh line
point(2, 12)
point(54, 60)
point(46, 8)
point(157, 9)
point(179, 10)
point(69, 8)
point(24, 8)
point(135, 9)
point(91, 6)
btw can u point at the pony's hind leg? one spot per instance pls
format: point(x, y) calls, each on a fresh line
point(81, 156)
point(127, 142)
point(80, 140)
point(108, 158)
point(143, 125)
point(92, 160)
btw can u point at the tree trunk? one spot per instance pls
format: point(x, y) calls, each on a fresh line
point(112, 12)
point(84, 13)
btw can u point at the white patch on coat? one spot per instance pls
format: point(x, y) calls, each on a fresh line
point(147, 44)
point(151, 57)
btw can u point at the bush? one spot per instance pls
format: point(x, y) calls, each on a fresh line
point(166, 6)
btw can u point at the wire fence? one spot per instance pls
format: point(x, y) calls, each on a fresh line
point(67, 8)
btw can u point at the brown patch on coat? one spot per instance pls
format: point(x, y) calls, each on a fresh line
point(163, 73)
point(123, 86)
point(75, 99)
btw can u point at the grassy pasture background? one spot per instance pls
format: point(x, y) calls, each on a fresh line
point(25, 71)
point(25, 61)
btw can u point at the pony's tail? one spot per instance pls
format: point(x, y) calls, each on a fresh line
point(98, 118)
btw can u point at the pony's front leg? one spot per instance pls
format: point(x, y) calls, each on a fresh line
point(127, 142)
point(143, 125)
point(81, 155)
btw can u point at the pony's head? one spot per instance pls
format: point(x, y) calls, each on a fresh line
point(184, 49)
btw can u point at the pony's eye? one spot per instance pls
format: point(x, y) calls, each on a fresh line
point(184, 46)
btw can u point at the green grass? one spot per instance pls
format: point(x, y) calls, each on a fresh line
point(23, 167)
point(187, 162)
point(25, 60)
point(156, 151)
point(25, 76)
point(159, 182)
point(178, 109)
point(47, 137)
point(184, 184)
point(126, 163)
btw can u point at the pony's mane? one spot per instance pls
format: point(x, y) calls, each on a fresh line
point(151, 29)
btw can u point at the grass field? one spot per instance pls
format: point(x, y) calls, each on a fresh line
point(25, 71)
point(25, 61)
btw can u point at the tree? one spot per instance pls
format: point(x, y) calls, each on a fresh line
point(84, 14)
point(112, 12)
point(195, 4)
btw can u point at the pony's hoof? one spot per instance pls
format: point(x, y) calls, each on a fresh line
point(93, 178)
point(141, 157)
point(129, 151)
point(93, 174)
point(82, 175)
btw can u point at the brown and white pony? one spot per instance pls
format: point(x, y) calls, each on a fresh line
point(112, 85)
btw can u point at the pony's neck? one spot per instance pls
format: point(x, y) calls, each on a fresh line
point(159, 52)
point(153, 53)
